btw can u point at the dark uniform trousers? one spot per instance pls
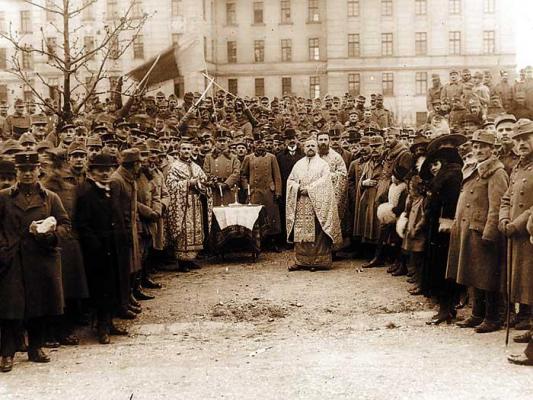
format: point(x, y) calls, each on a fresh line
point(11, 334)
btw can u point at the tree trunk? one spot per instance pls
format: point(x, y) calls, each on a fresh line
point(66, 114)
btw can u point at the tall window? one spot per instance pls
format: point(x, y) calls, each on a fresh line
point(387, 82)
point(232, 52)
point(88, 44)
point(421, 7)
point(233, 86)
point(3, 92)
point(286, 86)
point(489, 6)
point(231, 14)
point(286, 50)
point(25, 21)
point(386, 8)
point(138, 46)
point(179, 86)
point(3, 28)
point(114, 49)
point(51, 47)
point(259, 51)
point(421, 43)
point(285, 11)
point(354, 46)
point(314, 87)
point(454, 7)
point(354, 84)
point(258, 12)
point(353, 8)
point(421, 79)
point(112, 9)
point(489, 42)
point(175, 8)
point(313, 12)
point(386, 44)
point(260, 86)
point(455, 43)
point(314, 49)
point(137, 9)
point(3, 58)
point(88, 11)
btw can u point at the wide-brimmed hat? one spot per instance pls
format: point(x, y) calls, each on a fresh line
point(447, 154)
point(455, 138)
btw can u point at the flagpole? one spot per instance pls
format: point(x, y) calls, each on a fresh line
point(148, 73)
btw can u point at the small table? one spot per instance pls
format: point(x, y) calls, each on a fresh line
point(236, 223)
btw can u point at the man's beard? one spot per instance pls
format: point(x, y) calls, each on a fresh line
point(323, 149)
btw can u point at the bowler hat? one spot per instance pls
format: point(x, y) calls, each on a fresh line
point(289, 133)
point(27, 159)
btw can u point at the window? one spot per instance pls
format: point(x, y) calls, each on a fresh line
point(489, 6)
point(489, 42)
point(421, 7)
point(313, 13)
point(386, 44)
point(138, 46)
point(421, 79)
point(137, 9)
point(175, 8)
point(233, 86)
point(353, 8)
point(88, 10)
point(3, 93)
point(175, 38)
point(286, 50)
point(179, 86)
point(25, 21)
point(3, 58)
point(112, 9)
point(455, 43)
point(231, 14)
point(88, 43)
point(314, 87)
point(354, 84)
point(114, 50)
point(353, 45)
point(314, 50)
point(421, 43)
point(387, 82)
point(27, 59)
point(259, 51)
point(51, 47)
point(285, 11)
point(454, 7)
point(232, 52)
point(286, 86)
point(258, 12)
point(259, 86)
point(3, 28)
point(386, 8)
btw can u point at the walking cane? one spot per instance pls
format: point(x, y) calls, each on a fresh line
point(508, 273)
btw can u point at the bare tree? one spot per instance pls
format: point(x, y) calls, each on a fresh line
point(71, 55)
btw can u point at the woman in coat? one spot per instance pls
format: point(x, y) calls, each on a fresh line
point(30, 262)
point(442, 168)
point(475, 255)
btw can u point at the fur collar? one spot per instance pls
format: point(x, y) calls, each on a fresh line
point(488, 167)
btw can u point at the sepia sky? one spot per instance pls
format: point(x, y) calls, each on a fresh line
point(524, 32)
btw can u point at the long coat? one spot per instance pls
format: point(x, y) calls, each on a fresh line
point(516, 206)
point(148, 203)
point(105, 241)
point(30, 267)
point(227, 168)
point(72, 268)
point(263, 176)
point(366, 220)
point(475, 252)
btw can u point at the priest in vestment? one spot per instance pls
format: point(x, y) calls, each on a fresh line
point(186, 184)
point(312, 214)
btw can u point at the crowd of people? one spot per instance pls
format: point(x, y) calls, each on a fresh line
point(90, 207)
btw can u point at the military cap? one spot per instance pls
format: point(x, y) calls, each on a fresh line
point(7, 167)
point(454, 71)
point(239, 141)
point(436, 101)
point(94, 141)
point(27, 158)
point(67, 126)
point(361, 98)
point(365, 140)
point(523, 126)
point(379, 96)
point(38, 119)
point(154, 145)
point(130, 156)
point(27, 137)
point(222, 134)
point(56, 155)
point(43, 146)
point(470, 118)
point(278, 138)
point(420, 140)
point(121, 122)
point(483, 136)
point(334, 133)
point(11, 146)
point(160, 94)
point(142, 147)
point(465, 71)
point(109, 137)
point(353, 135)
point(376, 140)
point(435, 76)
point(504, 118)
point(101, 126)
point(478, 74)
point(103, 160)
point(76, 147)
point(19, 102)
point(393, 131)
point(333, 111)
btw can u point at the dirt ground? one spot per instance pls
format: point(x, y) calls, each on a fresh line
point(237, 330)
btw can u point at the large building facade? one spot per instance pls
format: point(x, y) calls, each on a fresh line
point(303, 47)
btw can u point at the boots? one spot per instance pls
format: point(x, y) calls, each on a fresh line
point(377, 261)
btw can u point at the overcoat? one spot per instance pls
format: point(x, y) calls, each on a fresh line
point(476, 247)
point(366, 223)
point(148, 203)
point(516, 206)
point(105, 241)
point(227, 167)
point(30, 266)
point(263, 176)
